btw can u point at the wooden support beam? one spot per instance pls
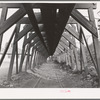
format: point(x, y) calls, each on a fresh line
point(23, 55)
point(95, 42)
point(85, 5)
point(3, 18)
point(82, 52)
point(63, 5)
point(27, 59)
point(24, 32)
point(34, 63)
point(33, 21)
point(95, 65)
point(61, 22)
point(65, 34)
point(64, 40)
point(49, 19)
point(12, 58)
point(72, 31)
point(10, 5)
point(30, 63)
point(6, 49)
point(12, 20)
point(84, 22)
point(32, 36)
point(72, 58)
point(16, 51)
point(25, 20)
point(63, 44)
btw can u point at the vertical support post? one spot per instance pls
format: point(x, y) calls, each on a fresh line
point(27, 59)
point(12, 59)
point(95, 42)
point(22, 55)
point(31, 58)
point(72, 58)
point(16, 44)
point(34, 63)
point(83, 53)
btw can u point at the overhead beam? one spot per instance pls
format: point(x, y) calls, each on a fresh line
point(63, 5)
point(84, 22)
point(49, 18)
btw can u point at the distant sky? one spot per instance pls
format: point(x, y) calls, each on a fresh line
point(8, 33)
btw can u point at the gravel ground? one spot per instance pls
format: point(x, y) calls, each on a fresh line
point(48, 75)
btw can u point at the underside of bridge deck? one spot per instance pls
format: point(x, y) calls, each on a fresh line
point(48, 30)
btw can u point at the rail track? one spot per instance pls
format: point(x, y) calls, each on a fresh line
point(57, 79)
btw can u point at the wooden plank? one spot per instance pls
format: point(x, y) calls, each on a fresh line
point(84, 22)
point(12, 20)
point(34, 22)
point(3, 18)
point(66, 43)
point(6, 49)
point(63, 44)
point(68, 38)
point(64, 40)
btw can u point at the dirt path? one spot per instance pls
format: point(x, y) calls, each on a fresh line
point(48, 75)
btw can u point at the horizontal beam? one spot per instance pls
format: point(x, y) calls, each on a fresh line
point(84, 22)
point(52, 5)
point(63, 5)
point(85, 5)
